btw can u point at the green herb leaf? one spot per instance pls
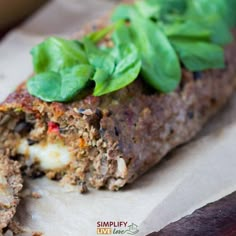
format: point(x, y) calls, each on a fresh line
point(198, 56)
point(172, 6)
point(160, 64)
point(122, 34)
point(148, 9)
point(162, 10)
point(127, 68)
point(212, 16)
point(122, 12)
point(61, 87)
point(156, 31)
point(100, 78)
point(221, 33)
point(99, 58)
point(55, 54)
point(231, 16)
point(97, 36)
point(187, 29)
point(100, 34)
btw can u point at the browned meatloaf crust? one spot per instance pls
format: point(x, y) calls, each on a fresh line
point(214, 219)
point(10, 185)
point(117, 137)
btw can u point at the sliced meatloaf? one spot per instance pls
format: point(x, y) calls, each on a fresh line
point(109, 141)
point(10, 185)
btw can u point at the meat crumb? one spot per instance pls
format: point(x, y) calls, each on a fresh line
point(27, 193)
point(37, 234)
point(83, 187)
point(36, 195)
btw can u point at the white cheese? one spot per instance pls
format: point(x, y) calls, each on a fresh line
point(50, 156)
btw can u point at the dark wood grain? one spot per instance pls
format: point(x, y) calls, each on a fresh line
point(215, 219)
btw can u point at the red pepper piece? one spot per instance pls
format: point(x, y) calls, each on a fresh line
point(53, 127)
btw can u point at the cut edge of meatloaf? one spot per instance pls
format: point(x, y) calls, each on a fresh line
point(109, 141)
point(10, 186)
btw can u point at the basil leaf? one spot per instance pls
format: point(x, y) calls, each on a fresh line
point(212, 16)
point(160, 64)
point(187, 29)
point(198, 56)
point(99, 58)
point(61, 87)
point(55, 54)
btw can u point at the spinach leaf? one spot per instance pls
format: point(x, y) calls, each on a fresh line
point(122, 34)
point(55, 54)
point(172, 6)
point(198, 56)
point(155, 32)
point(97, 36)
point(187, 29)
point(98, 58)
point(160, 64)
point(100, 78)
point(115, 68)
point(61, 87)
point(212, 16)
point(128, 65)
point(162, 10)
point(148, 9)
point(231, 16)
point(122, 12)
point(172, 10)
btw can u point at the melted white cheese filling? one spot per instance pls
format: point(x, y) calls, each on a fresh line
point(49, 156)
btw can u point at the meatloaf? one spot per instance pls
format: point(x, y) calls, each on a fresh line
point(10, 185)
point(215, 219)
point(108, 141)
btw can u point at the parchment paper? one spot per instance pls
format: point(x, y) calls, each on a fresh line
point(200, 172)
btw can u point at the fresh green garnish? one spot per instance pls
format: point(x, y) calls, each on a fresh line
point(100, 34)
point(127, 68)
point(163, 71)
point(60, 86)
point(115, 68)
point(149, 39)
point(99, 59)
point(213, 16)
point(55, 54)
point(187, 29)
point(122, 12)
point(198, 56)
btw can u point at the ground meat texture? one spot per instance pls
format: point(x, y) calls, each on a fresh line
point(10, 185)
point(117, 137)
